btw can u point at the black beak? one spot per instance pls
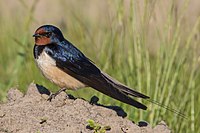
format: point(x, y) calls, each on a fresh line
point(36, 35)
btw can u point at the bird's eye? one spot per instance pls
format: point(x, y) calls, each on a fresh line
point(48, 34)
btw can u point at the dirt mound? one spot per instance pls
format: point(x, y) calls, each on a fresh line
point(32, 113)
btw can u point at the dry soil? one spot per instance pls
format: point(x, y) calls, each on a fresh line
point(32, 113)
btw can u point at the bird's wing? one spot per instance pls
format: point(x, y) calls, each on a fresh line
point(78, 66)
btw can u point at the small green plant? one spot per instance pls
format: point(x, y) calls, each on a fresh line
point(97, 127)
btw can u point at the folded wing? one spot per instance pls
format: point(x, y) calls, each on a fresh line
point(81, 68)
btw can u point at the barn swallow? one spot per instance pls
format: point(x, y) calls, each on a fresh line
point(66, 66)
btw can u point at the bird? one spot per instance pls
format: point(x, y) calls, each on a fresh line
point(67, 67)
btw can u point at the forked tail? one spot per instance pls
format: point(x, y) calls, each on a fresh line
point(126, 90)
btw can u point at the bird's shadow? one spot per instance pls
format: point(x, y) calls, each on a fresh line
point(43, 90)
point(117, 109)
point(94, 101)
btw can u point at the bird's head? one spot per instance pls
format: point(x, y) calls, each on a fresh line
point(47, 34)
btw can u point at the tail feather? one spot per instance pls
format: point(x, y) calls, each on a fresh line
point(124, 88)
point(115, 90)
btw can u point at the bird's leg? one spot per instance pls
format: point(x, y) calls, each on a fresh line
point(53, 95)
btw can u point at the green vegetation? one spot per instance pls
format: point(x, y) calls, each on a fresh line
point(151, 46)
point(97, 127)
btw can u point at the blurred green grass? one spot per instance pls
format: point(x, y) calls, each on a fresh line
point(151, 46)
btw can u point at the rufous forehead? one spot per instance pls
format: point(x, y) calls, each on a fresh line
point(40, 31)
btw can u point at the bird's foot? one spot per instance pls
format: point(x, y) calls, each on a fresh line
point(53, 95)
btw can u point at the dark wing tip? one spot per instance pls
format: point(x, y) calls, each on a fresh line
point(135, 103)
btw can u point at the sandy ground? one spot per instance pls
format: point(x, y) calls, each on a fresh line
point(32, 113)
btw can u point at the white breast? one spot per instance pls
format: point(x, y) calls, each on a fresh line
point(48, 67)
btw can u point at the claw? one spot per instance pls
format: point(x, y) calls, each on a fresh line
point(52, 96)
